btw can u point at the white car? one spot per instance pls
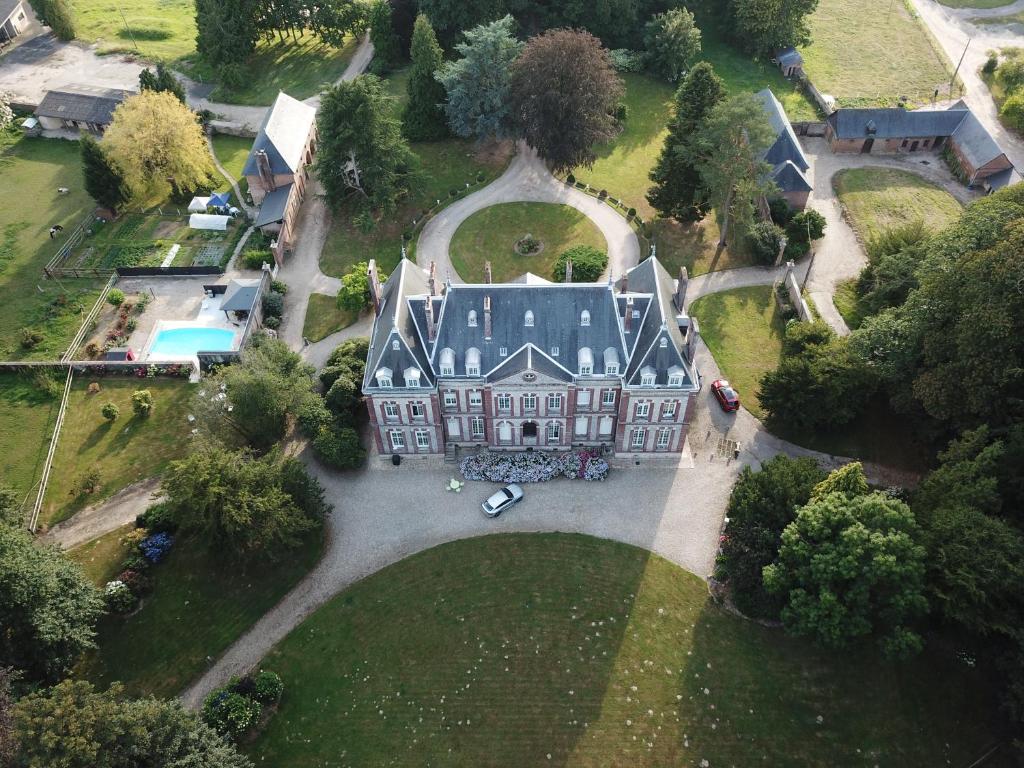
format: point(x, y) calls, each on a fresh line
point(502, 500)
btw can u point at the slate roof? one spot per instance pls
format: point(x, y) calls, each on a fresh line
point(1004, 178)
point(975, 142)
point(7, 8)
point(789, 178)
point(786, 156)
point(83, 103)
point(273, 206)
point(240, 295)
point(283, 135)
point(550, 347)
point(789, 57)
point(895, 123)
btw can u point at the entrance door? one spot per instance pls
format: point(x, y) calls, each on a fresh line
point(913, 146)
point(530, 433)
point(866, 148)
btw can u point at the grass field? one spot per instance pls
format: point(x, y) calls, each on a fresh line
point(491, 234)
point(201, 602)
point(27, 414)
point(101, 558)
point(871, 52)
point(232, 152)
point(565, 650)
point(743, 329)
point(695, 246)
point(125, 451)
point(877, 199)
point(324, 318)
point(31, 170)
point(444, 166)
point(163, 30)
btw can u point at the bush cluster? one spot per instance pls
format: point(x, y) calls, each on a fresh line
point(238, 706)
point(155, 548)
point(588, 264)
point(533, 467)
point(332, 422)
point(273, 309)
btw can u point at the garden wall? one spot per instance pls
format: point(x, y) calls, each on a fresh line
point(195, 270)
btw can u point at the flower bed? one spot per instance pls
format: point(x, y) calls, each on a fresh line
point(533, 467)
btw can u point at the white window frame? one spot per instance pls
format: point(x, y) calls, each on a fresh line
point(664, 438)
point(471, 319)
point(607, 398)
point(476, 399)
point(554, 432)
point(391, 411)
point(385, 382)
point(504, 402)
point(643, 410)
point(668, 410)
point(586, 370)
point(675, 380)
point(583, 398)
point(554, 402)
point(477, 428)
point(421, 407)
point(472, 370)
point(639, 437)
point(529, 402)
point(451, 398)
point(397, 438)
point(447, 370)
point(554, 351)
point(422, 438)
point(585, 318)
point(647, 379)
point(502, 351)
point(612, 369)
point(528, 319)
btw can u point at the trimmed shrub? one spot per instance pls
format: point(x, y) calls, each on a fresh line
point(268, 686)
point(138, 582)
point(279, 286)
point(313, 416)
point(570, 179)
point(339, 447)
point(157, 519)
point(587, 264)
point(115, 297)
point(230, 714)
point(119, 597)
point(343, 396)
point(1012, 111)
point(273, 322)
point(110, 412)
point(155, 548)
point(273, 305)
point(806, 225)
point(765, 239)
point(256, 259)
point(142, 402)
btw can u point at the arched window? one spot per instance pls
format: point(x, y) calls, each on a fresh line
point(447, 362)
point(664, 342)
point(585, 318)
point(528, 318)
point(472, 318)
point(611, 362)
point(586, 362)
point(472, 361)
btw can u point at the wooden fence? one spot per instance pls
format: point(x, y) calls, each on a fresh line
point(55, 267)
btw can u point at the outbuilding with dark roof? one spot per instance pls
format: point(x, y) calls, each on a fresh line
point(80, 107)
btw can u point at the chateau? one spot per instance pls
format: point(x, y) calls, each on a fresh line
point(530, 364)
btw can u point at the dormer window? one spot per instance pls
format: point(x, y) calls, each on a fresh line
point(384, 380)
point(611, 362)
point(412, 377)
point(675, 376)
point(648, 376)
point(585, 318)
point(664, 343)
point(554, 351)
point(447, 362)
point(502, 351)
point(471, 321)
point(396, 344)
point(528, 318)
point(586, 362)
point(472, 361)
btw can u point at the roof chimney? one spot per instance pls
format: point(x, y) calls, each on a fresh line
point(684, 278)
point(624, 286)
point(487, 272)
point(428, 311)
point(487, 317)
point(371, 271)
point(432, 280)
point(263, 166)
point(627, 319)
point(568, 270)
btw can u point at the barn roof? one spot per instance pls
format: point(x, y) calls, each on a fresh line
point(82, 103)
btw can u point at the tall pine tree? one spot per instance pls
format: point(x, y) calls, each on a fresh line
point(103, 181)
point(386, 50)
point(677, 190)
point(424, 118)
point(161, 80)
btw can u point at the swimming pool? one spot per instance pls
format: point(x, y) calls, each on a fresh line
point(176, 343)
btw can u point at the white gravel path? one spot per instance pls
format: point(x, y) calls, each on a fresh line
point(527, 179)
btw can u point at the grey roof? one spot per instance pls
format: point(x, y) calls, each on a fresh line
point(975, 142)
point(788, 56)
point(283, 135)
point(7, 9)
point(118, 353)
point(789, 178)
point(240, 295)
point(1004, 178)
point(895, 123)
point(550, 347)
point(82, 103)
point(787, 145)
point(273, 207)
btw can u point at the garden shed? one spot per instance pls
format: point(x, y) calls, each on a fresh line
point(209, 221)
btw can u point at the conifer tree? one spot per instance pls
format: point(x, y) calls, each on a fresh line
point(103, 181)
point(424, 118)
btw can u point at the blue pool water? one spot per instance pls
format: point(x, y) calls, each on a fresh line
point(185, 342)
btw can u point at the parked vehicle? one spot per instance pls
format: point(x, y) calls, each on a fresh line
point(727, 397)
point(502, 500)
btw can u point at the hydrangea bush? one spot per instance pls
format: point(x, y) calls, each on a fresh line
point(155, 548)
point(119, 597)
point(533, 467)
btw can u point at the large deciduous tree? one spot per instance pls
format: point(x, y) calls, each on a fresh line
point(479, 84)
point(103, 181)
point(671, 41)
point(72, 725)
point(158, 146)
point(362, 150)
point(48, 609)
point(730, 144)
point(678, 190)
point(763, 26)
point(564, 93)
point(423, 118)
point(849, 567)
point(242, 504)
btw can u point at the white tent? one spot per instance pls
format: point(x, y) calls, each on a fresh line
point(198, 204)
point(208, 221)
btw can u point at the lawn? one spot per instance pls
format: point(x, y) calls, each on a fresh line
point(695, 246)
point(566, 650)
point(847, 301)
point(31, 170)
point(128, 450)
point(201, 603)
point(27, 414)
point(101, 558)
point(491, 235)
point(232, 152)
point(444, 166)
point(743, 329)
point(877, 199)
point(163, 30)
point(324, 318)
point(871, 52)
